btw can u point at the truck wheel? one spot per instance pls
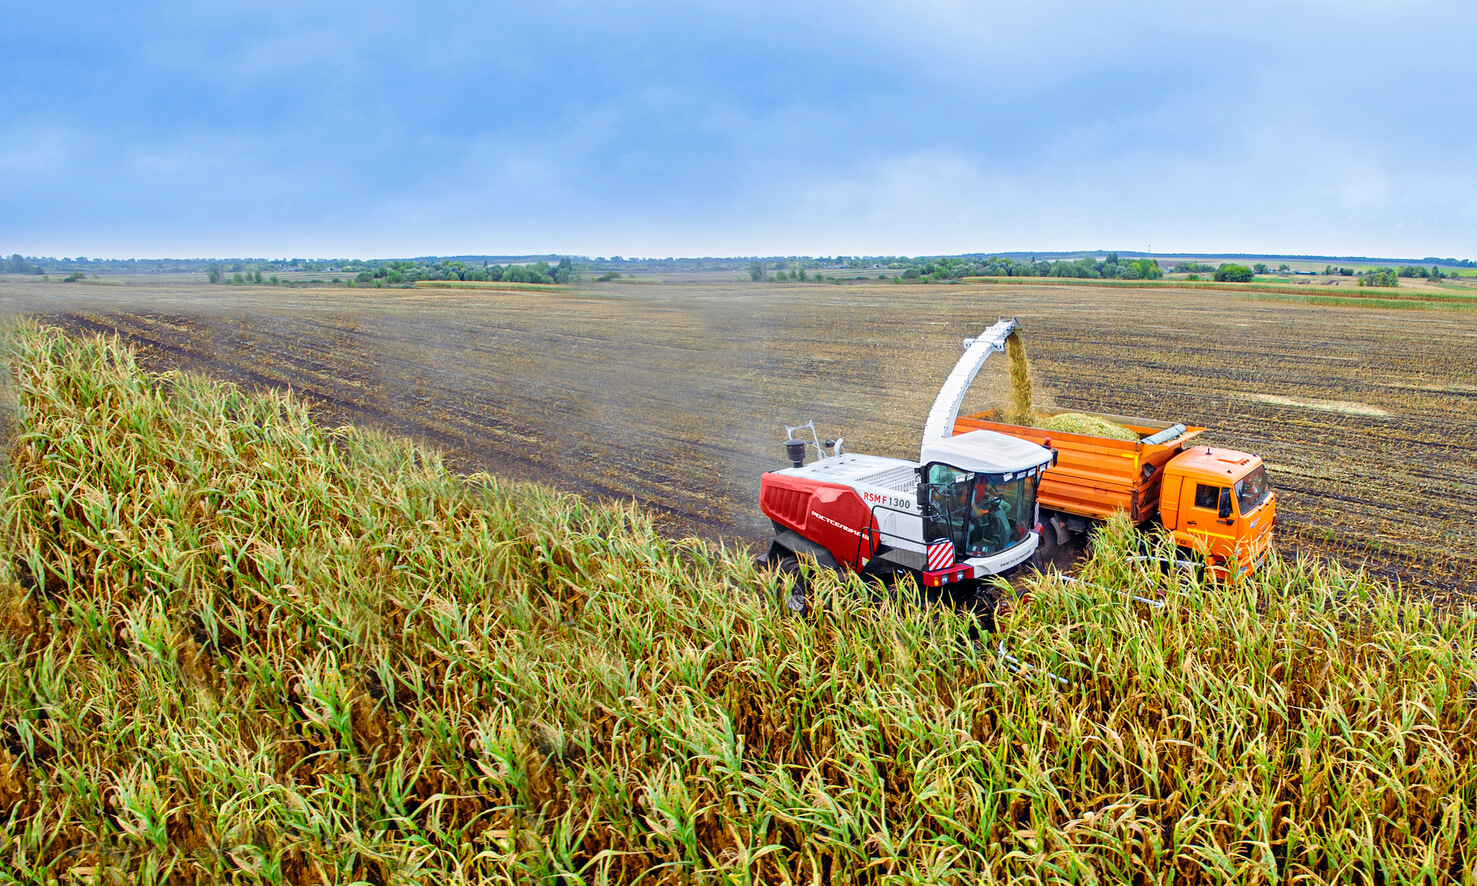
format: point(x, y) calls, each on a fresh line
point(792, 584)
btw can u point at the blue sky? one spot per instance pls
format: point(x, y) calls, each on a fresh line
point(283, 129)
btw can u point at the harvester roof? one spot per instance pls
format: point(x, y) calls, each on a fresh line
point(986, 452)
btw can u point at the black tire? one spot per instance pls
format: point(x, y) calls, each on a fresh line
point(1046, 548)
point(792, 585)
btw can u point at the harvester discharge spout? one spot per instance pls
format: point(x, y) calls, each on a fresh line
point(940, 424)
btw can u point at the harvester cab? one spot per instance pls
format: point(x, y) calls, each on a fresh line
point(980, 494)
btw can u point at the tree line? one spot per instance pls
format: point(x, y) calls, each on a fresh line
point(406, 272)
point(396, 273)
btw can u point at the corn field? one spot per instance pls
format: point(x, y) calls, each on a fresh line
point(238, 647)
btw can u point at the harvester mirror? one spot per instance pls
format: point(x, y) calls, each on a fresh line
point(1225, 512)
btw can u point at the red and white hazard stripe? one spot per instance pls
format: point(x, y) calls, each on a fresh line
point(940, 555)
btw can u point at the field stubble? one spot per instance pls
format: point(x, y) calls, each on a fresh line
point(674, 394)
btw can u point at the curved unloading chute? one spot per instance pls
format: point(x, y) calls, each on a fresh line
point(940, 425)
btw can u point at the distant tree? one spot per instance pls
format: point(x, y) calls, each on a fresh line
point(1328, 270)
point(781, 277)
point(1380, 277)
point(1346, 272)
point(1436, 273)
point(74, 277)
point(213, 272)
point(238, 279)
point(1259, 268)
point(17, 265)
point(257, 277)
point(1283, 268)
point(800, 275)
point(615, 275)
point(756, 271)
point(1233, 273)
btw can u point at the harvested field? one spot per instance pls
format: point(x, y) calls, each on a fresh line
point(674, 394)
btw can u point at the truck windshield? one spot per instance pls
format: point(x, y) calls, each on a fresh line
point(1253, 490)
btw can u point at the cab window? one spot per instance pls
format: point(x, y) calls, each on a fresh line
point(1207, 497)
point(1253, 490)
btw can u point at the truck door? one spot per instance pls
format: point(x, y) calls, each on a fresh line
point(1200, 517)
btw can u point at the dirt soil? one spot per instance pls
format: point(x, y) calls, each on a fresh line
point(676, 393)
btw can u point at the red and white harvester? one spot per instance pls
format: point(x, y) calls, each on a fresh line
point(964, 511)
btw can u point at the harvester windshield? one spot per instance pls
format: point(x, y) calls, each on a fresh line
point(982, 514)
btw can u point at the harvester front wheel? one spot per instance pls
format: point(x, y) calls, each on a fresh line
point(791, 584)
point(1046, 548)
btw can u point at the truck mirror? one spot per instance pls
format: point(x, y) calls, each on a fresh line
point(1225, 504)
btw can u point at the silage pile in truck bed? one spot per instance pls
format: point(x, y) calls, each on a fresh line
point(1088, 425)
point(236, 647)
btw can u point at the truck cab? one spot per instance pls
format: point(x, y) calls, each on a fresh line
point(1220, 502)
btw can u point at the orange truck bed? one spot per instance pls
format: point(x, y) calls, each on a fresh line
point(1095, 476)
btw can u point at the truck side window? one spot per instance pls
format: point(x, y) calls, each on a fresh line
point(1207, 497)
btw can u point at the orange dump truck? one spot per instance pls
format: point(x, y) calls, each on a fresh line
point(1211, 500)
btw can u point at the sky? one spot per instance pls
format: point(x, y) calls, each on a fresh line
point(652, 129)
